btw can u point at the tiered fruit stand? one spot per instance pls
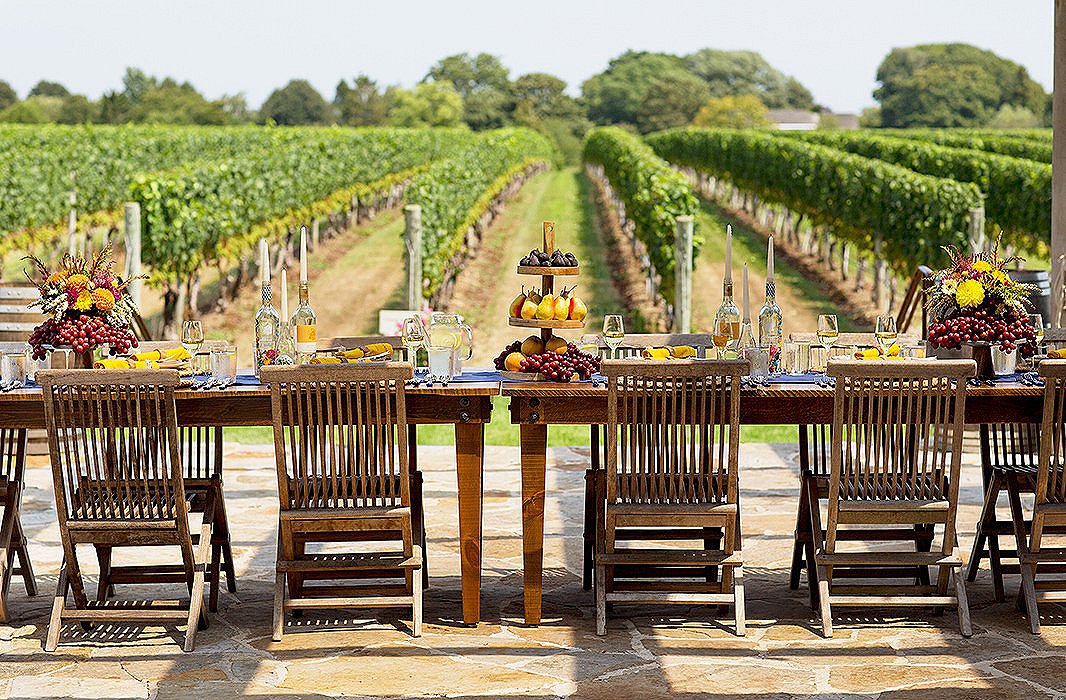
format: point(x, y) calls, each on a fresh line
point(547, 276)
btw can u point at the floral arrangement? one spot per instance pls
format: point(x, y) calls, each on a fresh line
point(975, 301)
point(88, 304)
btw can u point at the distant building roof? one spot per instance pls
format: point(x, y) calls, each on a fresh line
point(793, 119)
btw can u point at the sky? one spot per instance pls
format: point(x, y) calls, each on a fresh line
point(254, 46)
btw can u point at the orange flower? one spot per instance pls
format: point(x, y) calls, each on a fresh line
point(57, 277)
point(104, 299)
point(78, 281)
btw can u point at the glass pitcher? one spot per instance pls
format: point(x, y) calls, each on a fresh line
point(449, 331)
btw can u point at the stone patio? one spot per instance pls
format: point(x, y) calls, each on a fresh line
point(649, 652)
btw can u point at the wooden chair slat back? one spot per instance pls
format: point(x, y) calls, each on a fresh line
point(113, 440)
point(12, 455)
point(1051, 479)
point(897, 430)
point(340, 435)
point(673, 431)
point(1011, 445)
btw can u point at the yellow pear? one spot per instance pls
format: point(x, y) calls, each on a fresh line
point(529, 309)
point(562, 305)
point(578, 310)
point(546, 309)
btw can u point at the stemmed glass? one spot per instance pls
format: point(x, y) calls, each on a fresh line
point(827, 333)
point(721, 334)
point(1038, 328)
point(613, 332)
point(885, 332)
point(413, 337)
point(192, 336)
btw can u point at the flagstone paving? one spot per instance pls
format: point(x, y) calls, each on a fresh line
point(649, 652)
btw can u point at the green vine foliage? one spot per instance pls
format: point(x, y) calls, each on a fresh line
point(1022, 145)
point(1017, 192)
point(188, 214)
point(454, 192)
point(857, 197)
point(654, 194)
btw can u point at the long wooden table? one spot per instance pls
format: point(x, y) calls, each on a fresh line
point(467, 405)
point(535, 406)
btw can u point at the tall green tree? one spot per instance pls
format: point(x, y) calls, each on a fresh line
point(940, 85)
point(76, 109)
point(47, 88)
point(732, 112)
point(748, 73)
point(615, 95)
point(545, 95)
point(296, 103)
point(429, 104)
point(8, 96)
point(670, 101)
point(361, 103)
point(484, 85)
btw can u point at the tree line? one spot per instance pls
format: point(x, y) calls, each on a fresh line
point(934, 85)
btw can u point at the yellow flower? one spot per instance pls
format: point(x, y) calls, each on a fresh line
point(77, 281)
point(1000, 276)
point(105, 300)
point(969, 293)
point(85, 300)
point(57, 277)
point(982, 266)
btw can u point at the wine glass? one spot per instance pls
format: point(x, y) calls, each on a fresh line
point(827, 333)
point(721, 334)
point(885, 332)
point(192, 336)
point(1038, 328)
point(413, 336)
point(613, 332)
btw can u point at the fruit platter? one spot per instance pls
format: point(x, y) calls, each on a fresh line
point(547, 357)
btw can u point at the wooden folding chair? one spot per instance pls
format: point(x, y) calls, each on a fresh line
point(673, 439)
point(343, 478)
point(399, 354)
point(1009, 452)
point(117, 473)
point(1035, 558)
point(896, 453)
point(635, 343)
point(12, 537)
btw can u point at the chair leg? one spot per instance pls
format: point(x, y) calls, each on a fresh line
point(802, 530)
point(738, 599)
point(814, 525)
point(588, 533)
point(55, 622)
point(964, 605)
point(279, 606)
point(823, 597)
point(222, 537)
point(104, 587)
point(418, 521)
point(216, 556)
point(24, 562)
point(416, 601)
point(988, 510)
point(197, 615)
point(600, 585)
point(1028, 587)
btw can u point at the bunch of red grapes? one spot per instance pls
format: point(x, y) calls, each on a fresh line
point(556, 367)
point(1010, 330)
point(81, 333)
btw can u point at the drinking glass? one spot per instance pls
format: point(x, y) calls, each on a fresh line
point(613, 332)
point(721, 334)
point(440, 362)
point(192, 336)
point(13, 369)
point(801, 359)
point(885, 332)
point(1038, 327)
point(413, 337)
point(827, 332)
point(224, 365)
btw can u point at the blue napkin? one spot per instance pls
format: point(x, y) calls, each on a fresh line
point(808, 378)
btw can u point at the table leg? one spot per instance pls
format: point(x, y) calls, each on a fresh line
point(469, 461)
point(534, 441)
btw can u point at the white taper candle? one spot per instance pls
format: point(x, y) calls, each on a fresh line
point(264, 261)
point(747, 301)
point(303, 254)
point(728, 253)
point(284, 298)
point(770, 260)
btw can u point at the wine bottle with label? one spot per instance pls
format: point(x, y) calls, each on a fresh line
point(303, 318)
point(267, 319)
point(727, 318)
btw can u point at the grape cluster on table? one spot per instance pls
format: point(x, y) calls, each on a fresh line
point(1009, 330)
point(556, 367)
point(80, 333)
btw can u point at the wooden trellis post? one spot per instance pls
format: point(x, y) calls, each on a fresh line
point(683, 275)
point(412, 238)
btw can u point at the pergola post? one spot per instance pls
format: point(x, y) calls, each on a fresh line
point(1058, 165)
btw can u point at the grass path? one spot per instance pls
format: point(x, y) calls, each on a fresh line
point(487, 286)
